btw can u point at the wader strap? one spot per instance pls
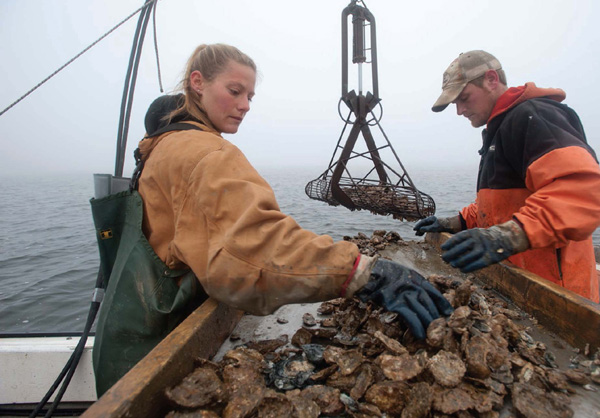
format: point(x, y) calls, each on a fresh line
point(139, 164)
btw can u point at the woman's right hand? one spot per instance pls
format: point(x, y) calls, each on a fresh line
point(404, 291)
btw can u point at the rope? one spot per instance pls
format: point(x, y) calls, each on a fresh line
point(75, 57)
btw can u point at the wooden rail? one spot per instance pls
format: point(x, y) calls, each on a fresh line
point(140, 393)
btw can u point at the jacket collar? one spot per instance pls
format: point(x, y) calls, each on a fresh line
point(516, 95)
point(147, 144)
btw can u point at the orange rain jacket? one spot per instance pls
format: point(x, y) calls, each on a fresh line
point(206, 207)
point(537, 168)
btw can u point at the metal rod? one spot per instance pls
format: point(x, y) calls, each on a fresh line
point(359, 78)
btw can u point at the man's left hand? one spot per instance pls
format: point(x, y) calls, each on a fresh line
point(477, 248)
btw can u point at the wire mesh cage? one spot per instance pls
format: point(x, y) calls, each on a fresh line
point(401, 202)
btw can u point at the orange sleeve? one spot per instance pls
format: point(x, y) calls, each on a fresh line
point(565, 203)
point(244, 250)
point(469, 214)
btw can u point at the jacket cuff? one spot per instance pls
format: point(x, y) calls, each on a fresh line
point(359, 276)
point(515, 235)
point(454, 223)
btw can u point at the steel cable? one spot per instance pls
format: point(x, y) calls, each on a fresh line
point(75, 57)
point(156, 48)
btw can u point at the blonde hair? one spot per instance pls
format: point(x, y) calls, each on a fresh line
point(210, 60)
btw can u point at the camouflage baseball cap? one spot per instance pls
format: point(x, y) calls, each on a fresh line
point(464, 69)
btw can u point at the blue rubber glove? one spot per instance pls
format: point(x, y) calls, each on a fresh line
point(404, 291)
point(477, 248)
point(435, 224)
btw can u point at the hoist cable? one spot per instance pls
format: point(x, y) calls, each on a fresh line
point(75, 57)
point(156, 48)
point(129, 88)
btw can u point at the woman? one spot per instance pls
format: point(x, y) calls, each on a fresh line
point(207, 209)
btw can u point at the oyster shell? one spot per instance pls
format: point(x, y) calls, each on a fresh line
point(401, 368)
point(308, 320)
point(419, 401)
point(267, 346)
point(447, 368)
point(436, 331)
point(533, 402)
point(290, 373)
point(327, 399)
point(347, 360)
point(200, 388)
point(275, 405)
point(390, 344)
point(388, 396)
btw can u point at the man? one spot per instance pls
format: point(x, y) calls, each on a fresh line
point(538, 187)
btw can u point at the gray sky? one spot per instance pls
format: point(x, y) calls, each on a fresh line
point(71, 122)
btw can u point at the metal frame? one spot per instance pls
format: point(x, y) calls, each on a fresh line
point(336, 186)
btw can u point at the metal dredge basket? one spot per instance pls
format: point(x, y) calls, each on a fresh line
point(382, 190)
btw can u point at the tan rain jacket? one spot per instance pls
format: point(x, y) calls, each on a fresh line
point(206, 207)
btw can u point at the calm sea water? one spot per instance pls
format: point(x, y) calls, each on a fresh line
point(49, 259)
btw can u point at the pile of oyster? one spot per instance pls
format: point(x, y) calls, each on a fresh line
point(358, 360)
point(379, 241)
point(398, 201)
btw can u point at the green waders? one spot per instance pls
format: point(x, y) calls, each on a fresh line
point(143, 302)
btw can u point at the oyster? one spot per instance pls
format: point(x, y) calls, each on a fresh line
point(390, 344)
point(465, 397)
point(327, 399)
point(290, 373)
point(401, 368)
point(365, 378)
point(419, 401)
point(302, 337)
point(533, 402)
point(476, 355)
point(436, 331)
point(447, 368)
point(308, 320)
point(347, 360)
point(202, 387)
point(275, 405)
point(267, 346)
point(388, 396)
point(303, 407)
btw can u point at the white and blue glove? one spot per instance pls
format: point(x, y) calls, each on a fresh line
point(477, 248)
point(435, 224)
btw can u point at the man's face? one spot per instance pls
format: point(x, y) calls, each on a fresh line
point(475, 103)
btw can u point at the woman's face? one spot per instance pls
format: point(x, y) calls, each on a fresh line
point(226, 99)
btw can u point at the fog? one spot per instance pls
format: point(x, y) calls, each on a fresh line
point(70, 123)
